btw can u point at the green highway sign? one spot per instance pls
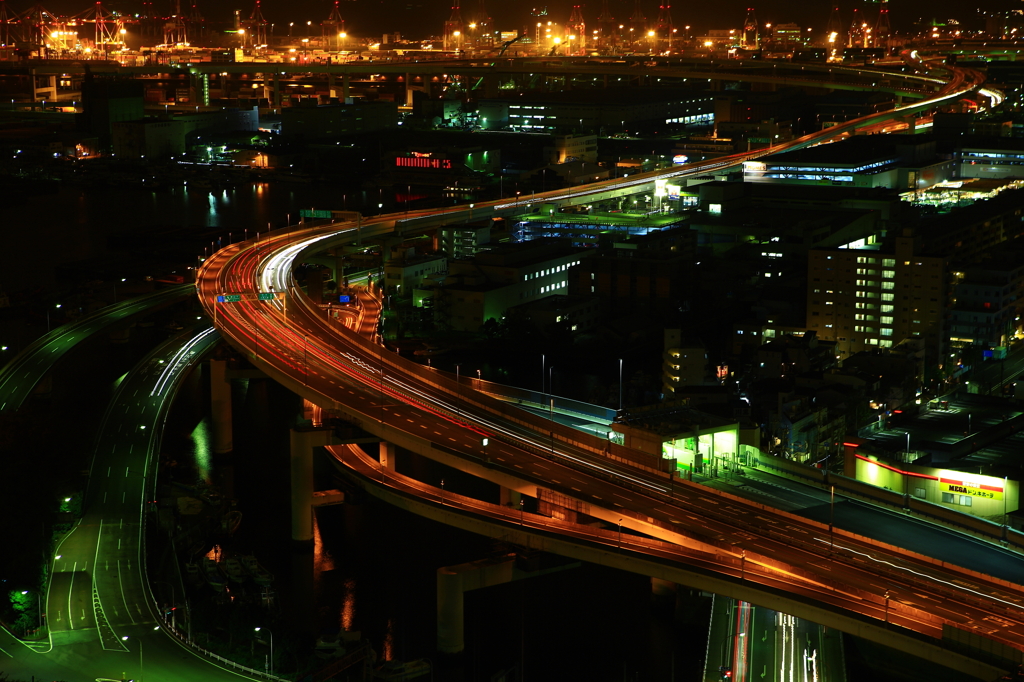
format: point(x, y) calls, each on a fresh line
point(314, 213)
point(267, 295)
point(759, 140)
point(229, 298)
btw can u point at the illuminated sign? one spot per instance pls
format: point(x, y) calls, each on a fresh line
point(314, 213)
point(680, 159)
point(344, 299)
point(659, 188)
point(229, 298)
point(972, 488)
point(754, 166)
point(421, 161)
point(673, 192)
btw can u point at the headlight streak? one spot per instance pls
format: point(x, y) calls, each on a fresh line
point(276, 273)
point(924, 575)
point(177, 360)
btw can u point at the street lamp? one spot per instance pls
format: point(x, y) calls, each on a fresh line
point(125, 639)
point(620, 384)
point(620, 534)
point(39, 598)
point(269, 666)
point(458, 392)
point(442, 492)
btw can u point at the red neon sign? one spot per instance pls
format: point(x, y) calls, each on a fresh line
point(898, 471)
point(422, 162)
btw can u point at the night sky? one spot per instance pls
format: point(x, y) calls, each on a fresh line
point(419, 18)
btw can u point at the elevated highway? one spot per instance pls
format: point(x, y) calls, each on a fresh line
point(19, 377)
point(405, 404)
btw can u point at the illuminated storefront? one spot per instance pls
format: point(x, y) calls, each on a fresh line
point(985, 496)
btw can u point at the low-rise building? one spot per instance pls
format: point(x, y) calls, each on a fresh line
point(497, 279)
point(889, 161)
point(406, 271)
point(684, 363)
point(461, 242)
point(335, 120)
point(988, 298)
point(568, 313)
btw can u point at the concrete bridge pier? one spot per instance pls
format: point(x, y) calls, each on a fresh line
point(47, 92)
point(454, 581)
point(276, 90)
point(220, 407)
point(387, 455)
point(302, 440)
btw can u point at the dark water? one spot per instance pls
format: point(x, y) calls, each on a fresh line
point(132, 231)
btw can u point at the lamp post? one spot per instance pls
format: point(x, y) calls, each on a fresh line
point(442, 492)
point(620, 535)
point(521, 512)
point(542, 359)
point(141, 676)
point(620, 384)
point(458, 392)
point(269, 666)
point(831, 519)
point(173, 601)
point(743, 564)
point(551, 394)
point(39, 597)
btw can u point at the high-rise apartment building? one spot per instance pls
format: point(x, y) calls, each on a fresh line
point(872, 298)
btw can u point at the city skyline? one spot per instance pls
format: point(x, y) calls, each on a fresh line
point(419, 19)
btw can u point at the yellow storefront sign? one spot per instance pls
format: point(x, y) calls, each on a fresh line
point(971, 488)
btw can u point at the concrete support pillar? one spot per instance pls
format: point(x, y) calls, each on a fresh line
point(450, 621)
point(276, 85)
point(220, 406)
point(345, 86)
point(387, 455)
point(302, 442)
point(408, 90)
point(43, 92)
point(454, 581)
point(302, 486)
point(331, 89)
